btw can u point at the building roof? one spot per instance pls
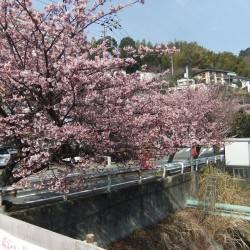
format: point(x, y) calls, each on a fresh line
point(211, 69)
point(238, 140)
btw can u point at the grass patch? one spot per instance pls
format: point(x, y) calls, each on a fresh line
point(186, 229)
point(196, 228)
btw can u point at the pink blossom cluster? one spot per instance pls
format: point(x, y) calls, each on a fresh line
point(58, 90)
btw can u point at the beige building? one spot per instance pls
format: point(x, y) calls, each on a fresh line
point(214, 76)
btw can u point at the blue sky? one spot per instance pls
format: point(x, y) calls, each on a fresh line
point(218, 25)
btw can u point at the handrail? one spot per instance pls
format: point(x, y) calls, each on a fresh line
point(227, 210)
point(105, 181)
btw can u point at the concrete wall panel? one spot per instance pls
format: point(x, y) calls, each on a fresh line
point(112, 216)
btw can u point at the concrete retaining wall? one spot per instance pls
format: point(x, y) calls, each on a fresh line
point(16, 234)
point(114, 215)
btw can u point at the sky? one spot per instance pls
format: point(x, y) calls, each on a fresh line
point(217, 25)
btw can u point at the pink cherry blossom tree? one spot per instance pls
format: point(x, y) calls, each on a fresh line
point(62, 97)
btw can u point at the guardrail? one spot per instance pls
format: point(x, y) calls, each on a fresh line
point(104, 181)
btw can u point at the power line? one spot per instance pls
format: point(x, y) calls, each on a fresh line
point(112, 24)
point(115, 34)
point(40, 1)
point(109, 24)
point(125, 31)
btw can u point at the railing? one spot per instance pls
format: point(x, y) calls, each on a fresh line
point(104, 181)
point(226, 210)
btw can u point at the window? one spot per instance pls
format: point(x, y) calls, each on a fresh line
point(239, 173)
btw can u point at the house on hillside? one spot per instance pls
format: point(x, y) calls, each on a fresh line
point(183, 83)
point(214, 76)
point(148, 76)
point(245, 83)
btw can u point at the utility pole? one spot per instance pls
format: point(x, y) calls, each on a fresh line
point(172, 65)
point(186, 75)
point(111, 23)
point(104, 31)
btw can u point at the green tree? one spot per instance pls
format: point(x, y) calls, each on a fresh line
point(244, 53)
point(240, 125)
point(126, 42)
point(195, 56)
point(111, 43)
point(129, 42)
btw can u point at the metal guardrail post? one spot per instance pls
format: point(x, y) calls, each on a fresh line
point(221, 157)
point(192, 166)
point(182, 167)
point(164, 172)
point(196, 165)
point(140, 177)
point(109, 183)
point(65, 197)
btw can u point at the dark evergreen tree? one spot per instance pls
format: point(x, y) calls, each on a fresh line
point(240, 125)
point(129, 42)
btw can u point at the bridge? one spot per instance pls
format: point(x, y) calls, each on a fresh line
point(98, 181)
point(115, 202)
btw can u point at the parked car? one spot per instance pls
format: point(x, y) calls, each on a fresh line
point(5, 154)
point(76, 159)
point(4, 157)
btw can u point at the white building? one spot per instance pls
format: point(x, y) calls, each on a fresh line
point(148, 76)
point(245, 84)
point(184, 82)
point(237, 156)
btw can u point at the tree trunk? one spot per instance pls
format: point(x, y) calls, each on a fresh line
point(171, 157)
